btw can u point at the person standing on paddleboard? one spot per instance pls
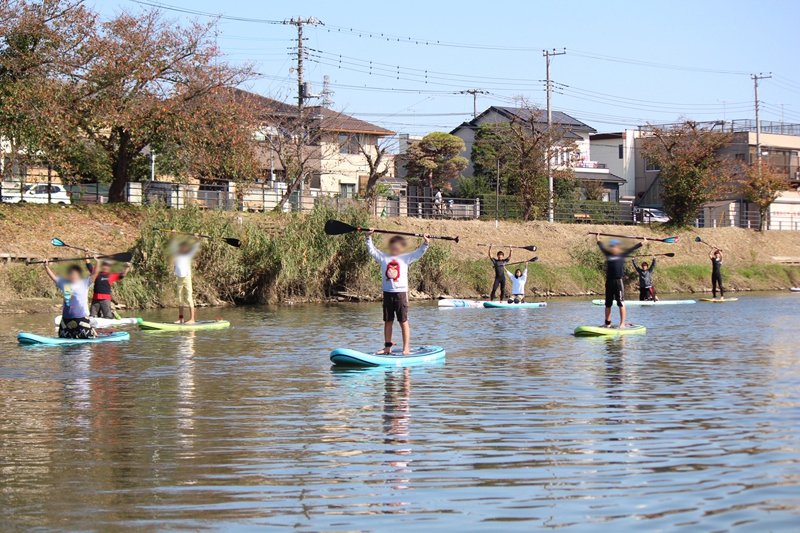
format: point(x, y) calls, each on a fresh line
point(184, 254)
point(518, 279)
point(75, 321)
point(499, 263)
point(615, 271)
point(647, 291)
point(716, 273)
point(394, 275)
point(101, 295)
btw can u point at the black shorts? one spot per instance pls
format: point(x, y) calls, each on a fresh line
point(615, 290)
point(76, 328)
point(395, 304)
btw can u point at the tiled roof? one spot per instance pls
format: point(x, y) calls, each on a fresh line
point(539, 115)
point(329, 120)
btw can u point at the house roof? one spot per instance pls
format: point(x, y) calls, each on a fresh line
point(329, 120)
point(606, 136)
point(599, 176)
point(523, 113)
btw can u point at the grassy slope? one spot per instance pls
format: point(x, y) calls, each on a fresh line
point(287, 257)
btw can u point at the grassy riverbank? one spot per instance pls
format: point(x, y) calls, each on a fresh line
point(289, 258)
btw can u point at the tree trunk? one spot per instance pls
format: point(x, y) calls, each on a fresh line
point(120, 167)
point(763, 224)
point(289, 191)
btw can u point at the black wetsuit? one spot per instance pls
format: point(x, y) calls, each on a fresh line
point(615, 271)
point(716, 277)
point(499, 277)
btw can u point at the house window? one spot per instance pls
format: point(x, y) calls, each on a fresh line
point(350, 144)
point(621, 150)
point(740, 157)
point(347, 190)
point(650, 166)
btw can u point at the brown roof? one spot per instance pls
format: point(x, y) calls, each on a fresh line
point(329, 120)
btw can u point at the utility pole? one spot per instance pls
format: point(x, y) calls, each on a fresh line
point(550, 202)
point(299, 23)
point(474, 93)
point(756, 78)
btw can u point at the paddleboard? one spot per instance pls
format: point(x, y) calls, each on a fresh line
point(106, 323)
point(648, 303)
point(32, 339)
point(795, 289)
point(422, 354)
point(453, 302)
point(719, 300)
point(600, 331)
point(506, 305)
point(169, 326)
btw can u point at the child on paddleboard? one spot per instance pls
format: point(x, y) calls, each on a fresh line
point(647, 290)
point(101, 295)
point(184, 252)
point(75, 321)
point(499, 263)
point(615, 271)
point(394, 275)
point(716, 273)
point(518, 279)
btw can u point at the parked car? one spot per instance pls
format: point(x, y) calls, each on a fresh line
point(36, 194)
point(648, 215)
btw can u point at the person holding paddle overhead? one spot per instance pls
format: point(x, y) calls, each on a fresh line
point(647, 290)
point(499, 263)
point(394, 275)
point(518, 279)
point(716, 272)
point(101, 295)
point(615, 271)
point(184, 252)
point(75, 322)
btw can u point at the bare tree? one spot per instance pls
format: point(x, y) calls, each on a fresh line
point(378, 164)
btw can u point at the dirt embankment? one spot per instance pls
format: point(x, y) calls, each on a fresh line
point(568, 259)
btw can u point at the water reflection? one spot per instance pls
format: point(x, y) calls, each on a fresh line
point(397, 424)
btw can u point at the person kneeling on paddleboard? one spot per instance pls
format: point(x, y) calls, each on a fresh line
point(75, 321)
point(647, 290)
point(499, 263)
point(615, 271)
point(518, 279)
point(394, 274)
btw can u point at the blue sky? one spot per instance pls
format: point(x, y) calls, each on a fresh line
point(611, 75)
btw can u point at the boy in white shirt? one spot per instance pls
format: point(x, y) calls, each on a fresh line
point(518, 279)
point(184, 254)
point(394, 275)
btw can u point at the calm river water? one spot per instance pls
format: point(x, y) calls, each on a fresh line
point(695, 425)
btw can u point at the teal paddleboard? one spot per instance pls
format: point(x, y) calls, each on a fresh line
point(506, 305)
point(422, 354)
point(32, 339)
point(600, 331)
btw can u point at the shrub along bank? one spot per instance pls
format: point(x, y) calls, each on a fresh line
point(290, 258)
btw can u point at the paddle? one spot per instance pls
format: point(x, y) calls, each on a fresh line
point(667, 240)
point(336, 227)
point(55, 241)
point(670, 254)
point(699, 239)
point(530, 247)
point(531, 260)
point(236, 243)
point(122, 257)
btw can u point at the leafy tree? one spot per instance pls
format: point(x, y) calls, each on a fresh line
point(473, 186)
point(522, 147)
point(761, 185)
point(434, 160)
point(692, 169)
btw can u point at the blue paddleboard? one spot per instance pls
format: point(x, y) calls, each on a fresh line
point(32, 339)
point(422, 354)
point(506, 305)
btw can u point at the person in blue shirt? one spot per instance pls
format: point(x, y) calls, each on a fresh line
point(75, 321)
